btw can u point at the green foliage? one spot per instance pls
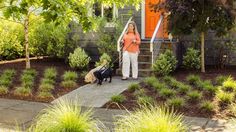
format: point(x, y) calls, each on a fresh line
point(68, 84)
point(140, 92)
point(47, 81)
point(193, 79)
point(207, 106)
point(45, 87)
point(3, 89)
point(104, 58)
point(11, 40)
point(23, 91)
point(118, 98)
point(191, 60)
point(165, 63)
point(70, 76)
point(194, 95)
point(79, 59)
point(176, 102)
point(184, 88)
point(166, 92)
point(64, 116)
point(150, 80)
point(224, 97)
point(229, 85)
point(220, 79)
point(133, 87)
point(44, 94)
point(50, 73)
point(145, 100)
point(158, 85)
point(151, 119)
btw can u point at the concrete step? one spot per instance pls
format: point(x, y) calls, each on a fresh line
point(144, 65)
point(141, 72)
point(145, 58)
point(145, 51)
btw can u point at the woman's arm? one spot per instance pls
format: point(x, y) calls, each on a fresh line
point(138, 40)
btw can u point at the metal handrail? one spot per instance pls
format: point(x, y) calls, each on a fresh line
point(154, 36)
point(122, 34)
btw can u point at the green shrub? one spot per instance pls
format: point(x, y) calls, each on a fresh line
point(151, 119)
point(176, 102)
point(166, 92)
point(44, 94)
point(220, 79)
point(133, 87)
point(145, 100)
point(46, 87)
point(64, 116)
point(207, 106)
point(70, 76)
point(191, 60)
point(68, 84)
point(224, 97)
point(193, 79)
point(79, 59)
point(118, 98)
point(50, 73)
point(47, 81)
point(150, 80)
point(22, 91)
point(194, 95)
point(3, 90)
point(165, 63)
point(104, 57)
point(229, 85)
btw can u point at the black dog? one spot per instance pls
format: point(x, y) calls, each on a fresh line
point(103, 74)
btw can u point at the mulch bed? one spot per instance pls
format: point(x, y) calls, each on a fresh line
point(189, 110)
point(40, 65)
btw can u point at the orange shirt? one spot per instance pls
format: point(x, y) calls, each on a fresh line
point(128, 39)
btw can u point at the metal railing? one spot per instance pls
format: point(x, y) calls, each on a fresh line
point(119, 44)
point(154, 49)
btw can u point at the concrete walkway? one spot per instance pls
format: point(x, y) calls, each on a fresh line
point(93, 95)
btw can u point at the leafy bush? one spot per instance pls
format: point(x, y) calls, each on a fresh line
point(194, 95)
point(165, 92)
point(68, 84)
point(118, 98)
point(79, 59)
point(176, 102)
point(104, 58)
point(151, 119)
point(165, 63)
point(193, 79)
point(70, 76)
point(133, 87)
point(220, 79)
point(224, 97)
point(11, 40)
point(64, 116)
point(191, 60)
point(145, 100)
point(207, 106)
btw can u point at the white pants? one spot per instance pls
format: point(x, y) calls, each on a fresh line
point(127, 58)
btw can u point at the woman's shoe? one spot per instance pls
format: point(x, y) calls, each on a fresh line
point(124, 78)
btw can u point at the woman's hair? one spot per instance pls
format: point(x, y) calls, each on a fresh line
point(135, 27)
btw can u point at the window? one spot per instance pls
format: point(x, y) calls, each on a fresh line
point(108, 12)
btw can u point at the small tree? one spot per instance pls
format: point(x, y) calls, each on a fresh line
point(199, 15)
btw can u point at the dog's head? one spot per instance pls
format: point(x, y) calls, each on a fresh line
point(88, 78)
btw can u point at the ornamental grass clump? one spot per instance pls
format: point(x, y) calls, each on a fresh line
point(145, 100)
point(176, 102)
point(193, 79)
point(133, 87)
point(65, 116)
point(207, 106)
point(220, 79)
point(6, 79)
point(166, 92)
point(183, 88)
point(150, 80)
point(118, 98)
point(69, 79)
point(151, 119)
point(224, 97)
point(158, 86)
point(232, 108)
point(140, 92)
point(194, 95)
point(229, 85)
point(50, 73)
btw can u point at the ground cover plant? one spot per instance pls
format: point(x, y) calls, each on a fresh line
point(190, 94)
point(6, 79)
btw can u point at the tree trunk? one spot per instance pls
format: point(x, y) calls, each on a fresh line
point(202, 52)
point(26, 30)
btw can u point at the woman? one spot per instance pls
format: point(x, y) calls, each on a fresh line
point(131, 42)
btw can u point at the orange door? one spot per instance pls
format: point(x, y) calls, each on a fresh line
point(151, 20)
